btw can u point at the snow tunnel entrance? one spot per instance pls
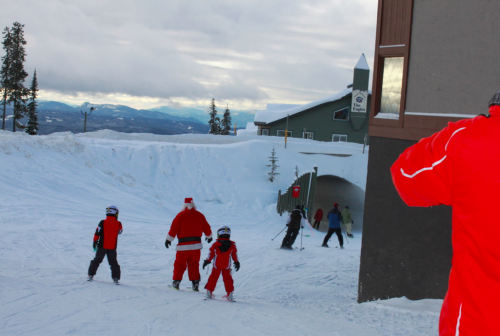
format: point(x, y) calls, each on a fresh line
point(333, 189)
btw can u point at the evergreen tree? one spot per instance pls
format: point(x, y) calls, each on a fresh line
point(4, 72)
point(32, 126)
point(273, 165)
point(296, 172)
point(225, 126)
point(214, 121)
point(17, 93)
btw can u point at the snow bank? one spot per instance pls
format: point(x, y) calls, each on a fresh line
point(54, 192)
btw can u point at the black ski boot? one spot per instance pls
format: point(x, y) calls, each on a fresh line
point(196, 285)
point(175, 284)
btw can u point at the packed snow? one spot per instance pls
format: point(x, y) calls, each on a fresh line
point(55, 189)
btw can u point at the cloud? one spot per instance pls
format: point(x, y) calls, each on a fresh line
point(246, 52)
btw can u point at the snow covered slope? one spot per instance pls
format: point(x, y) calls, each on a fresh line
point(54, 190)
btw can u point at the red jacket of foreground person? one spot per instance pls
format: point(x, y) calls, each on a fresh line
point(189, 225)
point(460, 166)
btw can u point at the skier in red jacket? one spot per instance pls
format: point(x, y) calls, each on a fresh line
point(318, 217)
point(460, 166)
point(105, 242)
point(189, 226)
point(222, 252)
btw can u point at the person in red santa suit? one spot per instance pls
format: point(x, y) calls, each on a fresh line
point(222, 252)
point(188, 226)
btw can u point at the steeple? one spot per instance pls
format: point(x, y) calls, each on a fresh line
point(361, 75)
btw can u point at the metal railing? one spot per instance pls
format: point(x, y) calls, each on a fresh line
point(307, 183)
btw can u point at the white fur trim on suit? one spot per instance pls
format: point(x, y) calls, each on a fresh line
point(197, 246)
point(169, 237)
point(208, 236)
point(188, 206)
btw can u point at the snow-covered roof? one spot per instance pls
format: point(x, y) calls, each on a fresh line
point(268, 116)
point(362, 63)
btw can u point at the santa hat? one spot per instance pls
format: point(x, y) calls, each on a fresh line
point(188, 203)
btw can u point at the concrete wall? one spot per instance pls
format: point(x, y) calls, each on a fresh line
point(331, 189)
point(454, 56)
point(320, 120)
point(406, 251)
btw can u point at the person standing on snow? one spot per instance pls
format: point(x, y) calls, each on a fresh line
point(334, 219)
point(347, 220)
point(222, 252)
point(295, 222)
point(317, 218)
point(459, 166)
point(189, 226)
point(105, 242)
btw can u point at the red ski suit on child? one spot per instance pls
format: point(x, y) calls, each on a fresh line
point(222, 251)
point(460, 166)
point(189, 225)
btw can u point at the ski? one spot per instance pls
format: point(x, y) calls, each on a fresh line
point(187, 289)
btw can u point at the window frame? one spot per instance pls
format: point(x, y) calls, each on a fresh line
point(306, 133)
point(265, 129)
point(348, 114)
point(340, 135)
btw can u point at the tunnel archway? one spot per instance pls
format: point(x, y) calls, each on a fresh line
point(332, 189)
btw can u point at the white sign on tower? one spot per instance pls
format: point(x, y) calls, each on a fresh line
point(359, 101)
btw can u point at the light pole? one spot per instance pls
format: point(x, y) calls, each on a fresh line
point(85, 114)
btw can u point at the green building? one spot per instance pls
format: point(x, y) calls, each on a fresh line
point(341, 117)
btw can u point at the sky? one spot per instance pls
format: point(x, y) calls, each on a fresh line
point(184, 53)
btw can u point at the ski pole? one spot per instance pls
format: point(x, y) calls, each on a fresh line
point(279, 233)
point(301, 233)
point(345, 231)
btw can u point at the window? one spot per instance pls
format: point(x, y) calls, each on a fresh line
point(265, 131)
point(308, 135)
point(392, 84)
point(339, 137)
point(342, 114)
point(281, 133)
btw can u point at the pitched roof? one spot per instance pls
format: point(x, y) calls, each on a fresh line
point(271, 115)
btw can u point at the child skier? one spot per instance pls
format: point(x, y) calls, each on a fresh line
point(222, 251)
point(105, 241)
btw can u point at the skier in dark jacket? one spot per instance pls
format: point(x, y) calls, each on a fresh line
point(295, 222)
point(334, 219)
point(105, 242)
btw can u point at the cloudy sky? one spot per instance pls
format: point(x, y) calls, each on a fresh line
point(184, 52)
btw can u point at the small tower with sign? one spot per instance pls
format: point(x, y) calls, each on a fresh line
point(359, 104)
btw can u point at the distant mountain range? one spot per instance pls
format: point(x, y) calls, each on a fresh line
point(59, 117)
point(241, 118)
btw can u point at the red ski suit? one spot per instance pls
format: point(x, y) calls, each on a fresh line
point(460, 166)
point(222, 253)
point(189, 225)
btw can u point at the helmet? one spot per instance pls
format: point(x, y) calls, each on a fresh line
point(112, 210)
point(224, 230)
point(335, 205)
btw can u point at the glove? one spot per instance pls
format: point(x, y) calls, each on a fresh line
point(94, 245)
point(167, 243)
point(237, 266)
point(205, 263)
point(209, 240)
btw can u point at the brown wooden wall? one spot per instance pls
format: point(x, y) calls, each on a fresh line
point(396, 17)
